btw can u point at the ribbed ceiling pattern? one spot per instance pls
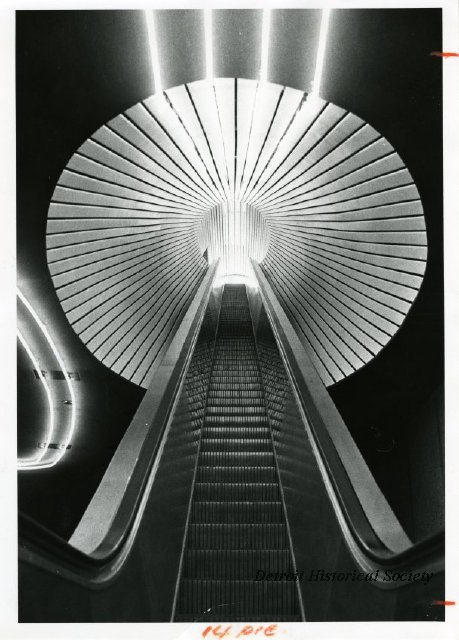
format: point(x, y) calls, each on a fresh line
point(243, 169)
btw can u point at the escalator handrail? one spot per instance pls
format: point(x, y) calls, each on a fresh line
point(40, 546)
point(367, 543)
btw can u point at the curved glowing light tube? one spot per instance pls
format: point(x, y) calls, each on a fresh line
point(34, 460)
point(58, 357)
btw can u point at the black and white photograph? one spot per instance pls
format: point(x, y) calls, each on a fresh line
point(230, 264)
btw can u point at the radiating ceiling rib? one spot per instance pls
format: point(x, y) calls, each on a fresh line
point(203, 102)
point(180, 100)
point(384, 318)
point(246, 98)
point(293, 194)
point(86, 286)
point(117, 293)
point(359, 341)
point(209, 167)
point(261, 132)
point(242, 169)
point(143, 321)
point(305, 117)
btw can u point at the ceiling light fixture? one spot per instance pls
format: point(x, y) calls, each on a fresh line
point(321, 47)
point(208, 40)
point(153, 44)
point(265, 32)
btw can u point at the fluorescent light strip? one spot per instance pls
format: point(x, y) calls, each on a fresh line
point(209, 44)
point(44, 330)
point(23, 462)
point(265, 31)
point(153, 44)
point(324, 23)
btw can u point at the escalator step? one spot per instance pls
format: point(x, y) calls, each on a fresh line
point(236, 474)
point(252, 397)
point(240, 564)
point(233, 445)
point(239, 410)
point(235, 432)
point(236, 420)
point(236, 597)
point(219, 614)
point(237, 536)
point(231, 458)
point(220, 404)
point(237, 512)
point(229, 376)
point(236, 387)
point(237, 491)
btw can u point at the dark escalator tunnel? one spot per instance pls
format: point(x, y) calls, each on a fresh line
point(237, 525)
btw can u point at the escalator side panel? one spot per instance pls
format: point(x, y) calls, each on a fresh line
point(144, 588)
point(317, 538)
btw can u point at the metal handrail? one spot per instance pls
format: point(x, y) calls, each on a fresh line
point(39, 545)
point(373, 534)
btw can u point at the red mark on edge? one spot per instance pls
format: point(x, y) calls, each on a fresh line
point(217, 631)
point(444, 603)
point(445, 54)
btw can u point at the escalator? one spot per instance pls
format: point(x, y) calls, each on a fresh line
point(237, 523)
point(236, 476)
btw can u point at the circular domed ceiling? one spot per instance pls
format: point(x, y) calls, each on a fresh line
point(236, 169)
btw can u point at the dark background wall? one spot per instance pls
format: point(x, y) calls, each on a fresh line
point(381, 69)
point(74, 71)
